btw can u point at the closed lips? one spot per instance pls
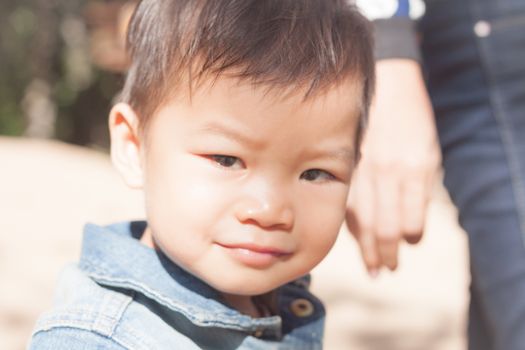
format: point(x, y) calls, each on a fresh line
point(257, 249)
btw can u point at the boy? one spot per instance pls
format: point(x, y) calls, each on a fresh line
point(241, 122)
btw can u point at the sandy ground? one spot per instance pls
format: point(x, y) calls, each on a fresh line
point(49, 189)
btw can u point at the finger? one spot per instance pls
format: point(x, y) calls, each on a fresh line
point(366, 242)
point(387, 219)
point(351, 222)
point(369, 249)
point(388, 252)
point(414, 202)
point(360, 221)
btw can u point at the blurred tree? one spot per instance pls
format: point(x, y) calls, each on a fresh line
point(16, 30)
point(49, 86)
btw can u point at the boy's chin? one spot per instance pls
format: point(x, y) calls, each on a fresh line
point(244, 288)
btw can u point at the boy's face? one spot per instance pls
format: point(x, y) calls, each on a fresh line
point(246, 189)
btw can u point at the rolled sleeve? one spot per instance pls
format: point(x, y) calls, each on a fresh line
point(394, 22)
point(396, 38)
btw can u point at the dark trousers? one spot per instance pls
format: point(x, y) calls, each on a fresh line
point(474, 58)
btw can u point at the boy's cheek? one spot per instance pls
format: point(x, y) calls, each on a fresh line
point(328, 228)
point(191, 197)
point(324, 220)
point(322, 202)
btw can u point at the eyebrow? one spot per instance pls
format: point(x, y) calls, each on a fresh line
point(343, 154)
point(231, 133)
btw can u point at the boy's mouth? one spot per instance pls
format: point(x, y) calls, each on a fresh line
point(255, 256)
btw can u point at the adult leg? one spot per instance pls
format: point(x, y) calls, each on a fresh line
point(475, 55)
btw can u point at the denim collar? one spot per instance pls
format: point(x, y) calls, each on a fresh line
point(113, 256)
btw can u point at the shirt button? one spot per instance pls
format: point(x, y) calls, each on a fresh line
point(258, 333)
point(302, 308)
point(482, 29)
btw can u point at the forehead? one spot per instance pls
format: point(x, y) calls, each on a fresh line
point(231, 92)
point(267, 118)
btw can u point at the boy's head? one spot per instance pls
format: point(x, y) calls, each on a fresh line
point(241, 121)
point(284, 45)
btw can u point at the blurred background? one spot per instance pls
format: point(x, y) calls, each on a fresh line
point(61, 66)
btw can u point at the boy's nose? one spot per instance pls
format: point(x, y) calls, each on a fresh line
point(267, 212)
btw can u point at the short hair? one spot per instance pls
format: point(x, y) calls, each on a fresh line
point(312, 44)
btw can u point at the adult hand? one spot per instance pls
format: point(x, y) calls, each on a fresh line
point(400, 157)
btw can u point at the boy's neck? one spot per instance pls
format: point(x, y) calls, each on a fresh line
point(147, 238)
point(242, 303)
point(264, 305)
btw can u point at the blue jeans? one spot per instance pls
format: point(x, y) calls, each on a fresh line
point(476, 78)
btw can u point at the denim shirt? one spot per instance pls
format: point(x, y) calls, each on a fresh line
point(124, 295)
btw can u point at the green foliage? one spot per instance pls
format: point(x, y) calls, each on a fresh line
point(16, 30)
point(47, 40)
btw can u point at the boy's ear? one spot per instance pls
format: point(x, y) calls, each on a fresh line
point(126, 152)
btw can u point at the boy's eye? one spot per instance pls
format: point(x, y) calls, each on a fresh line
point(226, 161)
point(317, 175)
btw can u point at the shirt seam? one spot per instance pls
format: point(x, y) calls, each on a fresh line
point(188, 312)
point(60, 322)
